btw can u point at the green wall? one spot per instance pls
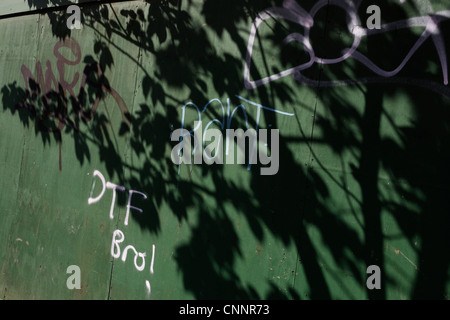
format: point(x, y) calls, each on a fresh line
point(363, 153)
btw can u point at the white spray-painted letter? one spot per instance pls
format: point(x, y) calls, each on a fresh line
point(115, 249)
point(114, 187)
point(102, 179)
point(129, 206)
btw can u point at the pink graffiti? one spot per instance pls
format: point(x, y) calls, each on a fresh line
point(48, 86)
point(293, 12)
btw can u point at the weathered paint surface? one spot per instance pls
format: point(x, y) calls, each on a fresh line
point(86, 175)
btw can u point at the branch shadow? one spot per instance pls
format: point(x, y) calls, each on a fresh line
point(298, 198)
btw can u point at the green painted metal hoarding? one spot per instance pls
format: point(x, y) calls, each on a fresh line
point(87, 176)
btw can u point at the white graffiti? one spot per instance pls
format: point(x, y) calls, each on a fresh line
point(293, 12)
point(118, 235)
point(224, 121)
point(114, 187)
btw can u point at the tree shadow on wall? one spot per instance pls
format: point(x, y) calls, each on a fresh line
point(408, 150)
point(300, 196)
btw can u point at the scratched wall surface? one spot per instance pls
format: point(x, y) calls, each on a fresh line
point(87, 177)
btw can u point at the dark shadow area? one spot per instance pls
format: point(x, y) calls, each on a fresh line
point(414, 156)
